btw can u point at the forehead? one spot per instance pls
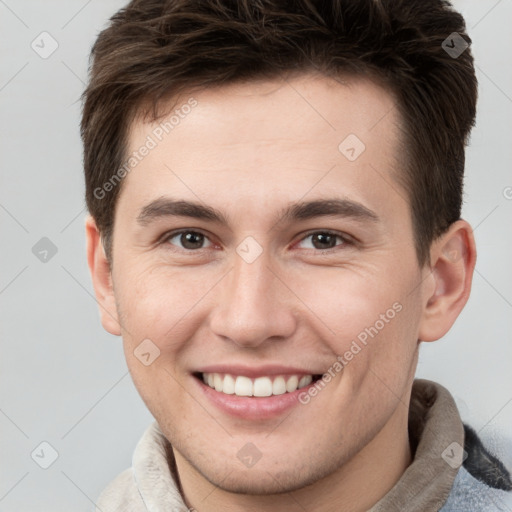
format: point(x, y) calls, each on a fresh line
point(276, 140)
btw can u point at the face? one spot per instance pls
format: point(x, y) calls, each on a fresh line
point(261, 285)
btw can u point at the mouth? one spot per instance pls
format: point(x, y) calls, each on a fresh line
point(256, 393)
point(259, 387)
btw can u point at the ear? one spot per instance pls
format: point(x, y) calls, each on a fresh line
point(101, 278)
point(447, 288)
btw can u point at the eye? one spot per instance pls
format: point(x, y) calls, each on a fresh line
point(189, 240)
point(325, 241)
point(321, 241)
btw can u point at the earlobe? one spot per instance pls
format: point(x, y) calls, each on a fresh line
point(453, 258)
point(101, 278)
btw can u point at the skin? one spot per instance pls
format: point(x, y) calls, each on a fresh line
point(248, 150)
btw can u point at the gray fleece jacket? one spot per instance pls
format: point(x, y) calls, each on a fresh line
point(435, 480)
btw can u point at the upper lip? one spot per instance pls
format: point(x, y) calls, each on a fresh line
point(256, 371)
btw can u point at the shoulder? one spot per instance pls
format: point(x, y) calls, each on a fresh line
point(468, 493)
point(149, 484)
point(483, 483)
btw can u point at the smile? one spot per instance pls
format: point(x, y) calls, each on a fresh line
point(264, 386)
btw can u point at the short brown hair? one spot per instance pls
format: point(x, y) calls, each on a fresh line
point(153, 50)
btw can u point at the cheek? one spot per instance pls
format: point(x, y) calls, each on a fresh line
point(154, 301)
point(370, 319)
point(153, 309)
point(348, 302)
point(164, 307)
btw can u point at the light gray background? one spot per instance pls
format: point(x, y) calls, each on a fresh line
point(64, 380)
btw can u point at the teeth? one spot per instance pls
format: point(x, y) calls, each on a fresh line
point(305, 381)
point(228, 386)
point(261, 386)
point(292, 383)
point(278, 386)
point(217, 382)
point(243, 386)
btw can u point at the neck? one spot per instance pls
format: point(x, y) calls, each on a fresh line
point(356, 486)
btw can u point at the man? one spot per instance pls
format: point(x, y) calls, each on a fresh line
point(275, 192)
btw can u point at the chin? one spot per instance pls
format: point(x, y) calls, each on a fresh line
point(266, 479)
point(261, 483)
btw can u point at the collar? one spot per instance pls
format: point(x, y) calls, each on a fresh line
point(436, 435)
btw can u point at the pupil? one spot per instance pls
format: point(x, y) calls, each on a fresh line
point(189, 240)
point(324, 238)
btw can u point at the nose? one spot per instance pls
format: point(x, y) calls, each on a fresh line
point(255, 304)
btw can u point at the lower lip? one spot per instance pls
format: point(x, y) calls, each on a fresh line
point(253, 408)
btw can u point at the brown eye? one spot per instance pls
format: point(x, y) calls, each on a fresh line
point(325, 240)
point(189, 240)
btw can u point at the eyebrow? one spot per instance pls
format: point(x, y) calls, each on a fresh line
point(168, 207)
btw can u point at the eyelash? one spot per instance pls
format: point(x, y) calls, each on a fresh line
point(346, 240)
